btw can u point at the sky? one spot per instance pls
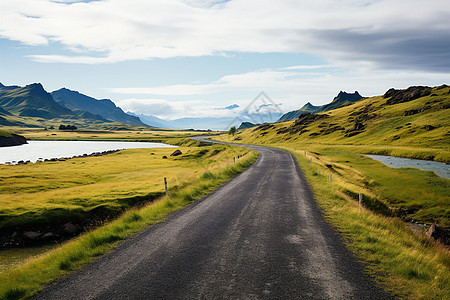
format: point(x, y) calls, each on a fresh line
point(187, 58)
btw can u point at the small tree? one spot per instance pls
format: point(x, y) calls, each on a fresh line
point(232, 130)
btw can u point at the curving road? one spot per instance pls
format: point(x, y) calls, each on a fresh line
point(260, 236)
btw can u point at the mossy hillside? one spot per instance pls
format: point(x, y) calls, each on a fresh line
point(405, 262)
point(5, 133)
point(422, 124)
point(424, 133)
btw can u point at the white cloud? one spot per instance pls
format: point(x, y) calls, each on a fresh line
point(173, 109)
point(292, 86)
point(411, 34)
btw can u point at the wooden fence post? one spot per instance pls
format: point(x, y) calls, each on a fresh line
point(165, 184)
point(360, 198)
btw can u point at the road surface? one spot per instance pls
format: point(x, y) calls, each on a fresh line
point(260, 236)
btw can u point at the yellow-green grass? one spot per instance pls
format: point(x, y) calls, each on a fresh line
point(23, 281)
point(408, 193)
point(37, 122)
point(388, 129)
point(107, 135)
point(80, 188)
point(405, 263)
point(5, 133)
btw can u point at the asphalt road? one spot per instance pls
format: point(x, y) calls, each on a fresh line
point(260, 236)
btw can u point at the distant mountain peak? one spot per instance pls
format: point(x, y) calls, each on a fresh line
point(353, 97)
point(342, 99)
point(35, 85)
point(104, 107)
point(308, 106)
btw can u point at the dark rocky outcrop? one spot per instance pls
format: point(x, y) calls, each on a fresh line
point(359, 119)
point(416, 111)
point(31, 235)
point(71, 229)
point(176, 153)
point(308, 118)
point(411, 93)
point(439, 234)
point(13, 140)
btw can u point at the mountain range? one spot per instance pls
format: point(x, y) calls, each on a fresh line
point(103, 108)
point(262, 114)
point(31, 106)
point(342, 99)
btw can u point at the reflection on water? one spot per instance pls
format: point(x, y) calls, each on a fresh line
point(39, 150)
point(441, 169)
point(13, 256)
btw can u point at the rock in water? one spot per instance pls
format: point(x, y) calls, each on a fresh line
point(176, 153)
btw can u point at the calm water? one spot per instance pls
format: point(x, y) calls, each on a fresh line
point(441, 169)
point(37, 150)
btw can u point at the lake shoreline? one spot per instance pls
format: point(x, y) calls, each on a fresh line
point(35, 151)
point(95, 154)
point(13, 140)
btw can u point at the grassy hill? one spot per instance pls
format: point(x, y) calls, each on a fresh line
point(32, 101)
point(413, 123)
point(420, 127)
point(387, 230)
point(103, 109)
point(8, 138)
point(31, 106)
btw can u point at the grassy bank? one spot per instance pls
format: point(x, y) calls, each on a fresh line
point(205, 173)
point(136, 134)
point(5, 133)
point(406, 263)
point(80, 189)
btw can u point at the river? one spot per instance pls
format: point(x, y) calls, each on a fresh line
point(40, 150)
point(441, 169)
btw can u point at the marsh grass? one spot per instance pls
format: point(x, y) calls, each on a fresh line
point(25, 280)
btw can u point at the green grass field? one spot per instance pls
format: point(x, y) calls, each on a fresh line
point(5, 133)
point(203, 170)
point(405, 262)
point(76, 189)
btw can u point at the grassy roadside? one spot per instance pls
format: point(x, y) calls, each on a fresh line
point(23, 281)
point(405, 263)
